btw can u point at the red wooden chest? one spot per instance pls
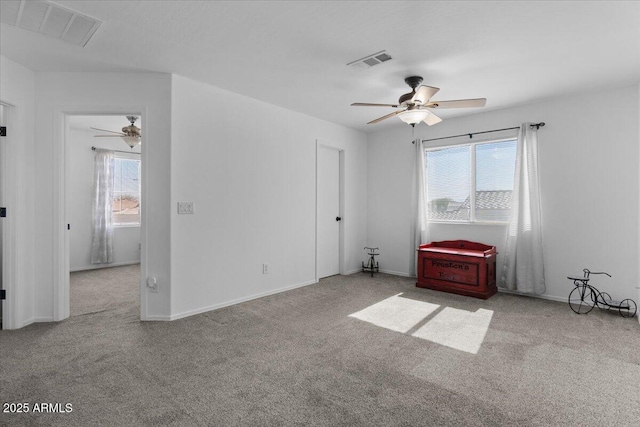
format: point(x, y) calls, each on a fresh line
point(458, 266)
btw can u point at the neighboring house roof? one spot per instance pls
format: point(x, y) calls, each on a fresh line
point(487, 200)
point(500, 199)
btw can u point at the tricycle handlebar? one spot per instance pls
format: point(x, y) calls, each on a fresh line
point(587, 272)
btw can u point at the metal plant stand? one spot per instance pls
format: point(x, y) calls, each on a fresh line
point(372, 264)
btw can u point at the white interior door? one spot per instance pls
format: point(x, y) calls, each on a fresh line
point(328, 212)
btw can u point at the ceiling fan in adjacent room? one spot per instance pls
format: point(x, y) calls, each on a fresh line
point(417, 105)
point(130, 134)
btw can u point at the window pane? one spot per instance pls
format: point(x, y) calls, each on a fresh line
point(495, 168)
point(117, 206)
point(117, 175)
point(448, 183)
point(126, 199)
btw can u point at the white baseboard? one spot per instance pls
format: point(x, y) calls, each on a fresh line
point(506, 291)
point(155, 318)
point(28, 322)
point(396, 273)
point(543, 296)
point(98, 266)
point(234, 302)
point(36, 320)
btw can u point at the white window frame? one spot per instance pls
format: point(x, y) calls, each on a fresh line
point(133, 156)
point(472, 181)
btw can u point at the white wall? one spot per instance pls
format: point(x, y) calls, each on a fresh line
point(589, 157)
point(253, 183)
point(78, 93)
point(17, 87)
point(389, 221)
point(125, 238)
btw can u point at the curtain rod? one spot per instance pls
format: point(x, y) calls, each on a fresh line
point(470, 135)
point(117, 151)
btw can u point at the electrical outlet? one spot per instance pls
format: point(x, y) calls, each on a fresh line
point(152, 284)
point(186, 208)
point(265, 268)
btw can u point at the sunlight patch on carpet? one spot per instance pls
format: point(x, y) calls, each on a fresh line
point(459, 329)
point(396, 313)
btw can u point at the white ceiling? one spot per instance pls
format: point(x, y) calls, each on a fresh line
point(294, 53)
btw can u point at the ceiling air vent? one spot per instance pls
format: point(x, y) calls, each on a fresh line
point(49, 19)
point(370, 60)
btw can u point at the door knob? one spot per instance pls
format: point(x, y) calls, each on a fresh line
point(338, 218)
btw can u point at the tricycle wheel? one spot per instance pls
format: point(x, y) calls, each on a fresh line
point(582, 299)
point(628, 308)
point(603, 301)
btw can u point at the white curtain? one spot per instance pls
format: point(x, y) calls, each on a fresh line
point(523, 268)
point(102, 237)
point(418, 202)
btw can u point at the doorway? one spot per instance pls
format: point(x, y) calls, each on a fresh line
point(330, 222)
point(104, 221)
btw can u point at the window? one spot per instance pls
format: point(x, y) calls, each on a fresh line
point(472, 182)
point(126, 191)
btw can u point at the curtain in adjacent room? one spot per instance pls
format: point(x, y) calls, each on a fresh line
point(102, 237)
point(418, 201)
point(523, 268)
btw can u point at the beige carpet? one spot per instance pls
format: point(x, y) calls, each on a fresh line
point(299, 358)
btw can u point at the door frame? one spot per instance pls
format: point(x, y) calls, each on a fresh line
point(61, 172)
point(341, 226)
point(9, 239)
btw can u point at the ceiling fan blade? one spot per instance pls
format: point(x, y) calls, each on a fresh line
point(109, 136)
point(432, 119)
point(379, 119)
point(458, 103)
point(366, 104)
point(424, 94)
point(104, 130)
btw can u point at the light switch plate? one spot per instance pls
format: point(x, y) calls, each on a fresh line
point(185, 208)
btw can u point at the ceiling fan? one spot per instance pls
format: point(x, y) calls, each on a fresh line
point(130, 134)
point(417, 105)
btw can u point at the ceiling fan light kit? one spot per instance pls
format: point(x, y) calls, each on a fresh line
point(131, 141)
point(131, 134)
point(413, 117)
point(418, 104)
